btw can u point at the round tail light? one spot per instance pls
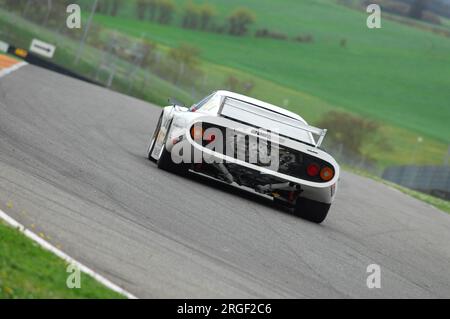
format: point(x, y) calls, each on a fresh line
point(197, 133)
point(313, 169)
point(210, 138)
point(326, 173)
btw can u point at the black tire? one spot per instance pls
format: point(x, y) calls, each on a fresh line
point(165, 160)
point(153, 140)
point(282, 203)
point(311, 210)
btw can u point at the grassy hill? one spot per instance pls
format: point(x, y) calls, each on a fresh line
point(397, 74)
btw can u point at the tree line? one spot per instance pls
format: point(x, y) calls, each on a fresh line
point(415, 9)
point(192, 15)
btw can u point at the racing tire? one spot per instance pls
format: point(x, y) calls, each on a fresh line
point(165, 163)
point(165, 160)
point(311, 210)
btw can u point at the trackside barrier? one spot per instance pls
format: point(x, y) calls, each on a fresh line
point(32, 58)
point(434, 180)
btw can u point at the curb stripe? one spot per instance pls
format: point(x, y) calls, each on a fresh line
point(15, 67)
point(47, 246)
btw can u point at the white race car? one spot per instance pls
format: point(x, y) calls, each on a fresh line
point(250, 144)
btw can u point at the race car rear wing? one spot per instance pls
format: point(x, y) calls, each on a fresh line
point(262, 117)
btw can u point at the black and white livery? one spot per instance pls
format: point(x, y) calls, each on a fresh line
point(252, 145)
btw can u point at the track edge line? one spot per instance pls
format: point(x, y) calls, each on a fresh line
point(11, 69)
point(47, 246)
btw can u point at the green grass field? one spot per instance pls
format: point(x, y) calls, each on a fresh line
point(28, 271)
point(398, 74)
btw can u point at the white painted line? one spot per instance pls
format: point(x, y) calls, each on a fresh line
point(11, 69)
point(46, 245)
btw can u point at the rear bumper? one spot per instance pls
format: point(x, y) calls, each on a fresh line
point(318, 191)
point(324, 193)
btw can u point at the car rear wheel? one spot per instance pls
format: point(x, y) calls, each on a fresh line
point(165, 161)
point(311, 210)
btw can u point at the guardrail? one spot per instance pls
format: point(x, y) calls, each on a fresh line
point(434, 180)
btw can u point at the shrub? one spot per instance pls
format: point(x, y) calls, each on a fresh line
point(306, 38)
point(148, 53)
point(141, 9)
point(94, 36)
point(207, 13)
point(233, 84)
point(351, 131)
point(239, 21)
point(184, 63)
point(166, 9)
point(266, 33)
point(191, 16)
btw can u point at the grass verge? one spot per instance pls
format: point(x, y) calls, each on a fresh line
point(28, 271)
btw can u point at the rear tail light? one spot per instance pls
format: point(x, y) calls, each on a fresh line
point(197, 133)
point(210, 138)
point(313, 169)
point(326, 173)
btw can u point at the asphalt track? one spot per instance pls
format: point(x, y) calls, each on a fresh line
point(73, 167)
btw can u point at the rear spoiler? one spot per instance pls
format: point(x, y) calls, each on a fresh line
point(245, 112)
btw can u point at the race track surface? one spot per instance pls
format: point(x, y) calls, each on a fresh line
point(73, 166)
